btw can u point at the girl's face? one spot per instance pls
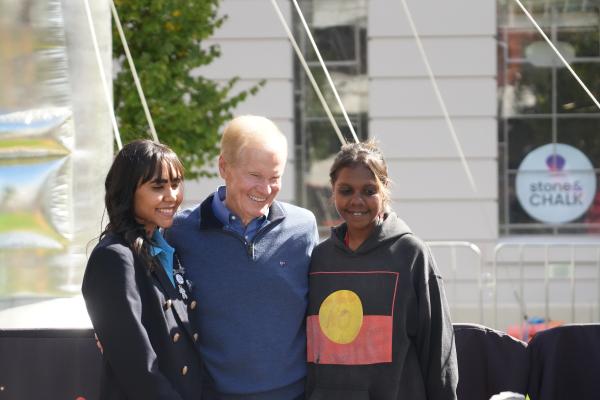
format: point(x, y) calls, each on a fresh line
point(358, 198)
point(156, 201)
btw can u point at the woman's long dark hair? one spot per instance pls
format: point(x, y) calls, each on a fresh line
point(137, 163)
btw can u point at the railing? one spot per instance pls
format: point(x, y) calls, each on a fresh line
point(453, 247)
point(548, 262)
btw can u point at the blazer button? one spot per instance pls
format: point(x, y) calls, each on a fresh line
point(184, 370)
point(167, 304)
point(176, 337)
point(193, 304)
point(195, 336)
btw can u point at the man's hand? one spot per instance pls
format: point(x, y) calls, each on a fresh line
point(98, 344)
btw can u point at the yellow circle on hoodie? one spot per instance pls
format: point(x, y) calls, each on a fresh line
point(341, 316)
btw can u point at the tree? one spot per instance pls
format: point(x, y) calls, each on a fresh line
point(165, 39)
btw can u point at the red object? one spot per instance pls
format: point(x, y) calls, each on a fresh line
point(526, 331)
point(372, 345)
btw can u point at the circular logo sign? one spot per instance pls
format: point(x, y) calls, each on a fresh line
point(555, 183)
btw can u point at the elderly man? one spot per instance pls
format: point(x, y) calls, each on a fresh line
point(248, 256)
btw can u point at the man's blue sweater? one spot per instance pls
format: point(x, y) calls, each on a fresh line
point(252, 298)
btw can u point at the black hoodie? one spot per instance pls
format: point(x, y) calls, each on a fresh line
point(378, 323)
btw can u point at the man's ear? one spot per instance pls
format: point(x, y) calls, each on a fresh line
point(222, 167)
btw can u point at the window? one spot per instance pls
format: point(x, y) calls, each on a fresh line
point(541, 103)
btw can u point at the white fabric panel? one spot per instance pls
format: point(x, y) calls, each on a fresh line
point(433, 17)
point(448, 56)
point(431, 138)
point(94, 135)
point(416, 98)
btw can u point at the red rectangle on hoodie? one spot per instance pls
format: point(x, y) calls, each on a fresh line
point(372, 345)
point(350, 317)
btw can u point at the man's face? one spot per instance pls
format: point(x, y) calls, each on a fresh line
point(253, 180)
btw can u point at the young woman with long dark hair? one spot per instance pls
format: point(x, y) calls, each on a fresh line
point(135, 290)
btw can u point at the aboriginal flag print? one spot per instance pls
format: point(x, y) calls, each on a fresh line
point(350, 317)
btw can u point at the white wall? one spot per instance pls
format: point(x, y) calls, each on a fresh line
point(431, 189)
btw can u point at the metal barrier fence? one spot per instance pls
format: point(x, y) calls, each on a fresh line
point(569, 248)
point(453, 247)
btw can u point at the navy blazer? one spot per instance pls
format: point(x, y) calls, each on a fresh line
point(142, 322)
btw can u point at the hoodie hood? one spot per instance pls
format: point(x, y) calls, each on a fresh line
point(392, 227)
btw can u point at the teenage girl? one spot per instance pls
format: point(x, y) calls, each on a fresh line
point(378, 323)
point(135, 290)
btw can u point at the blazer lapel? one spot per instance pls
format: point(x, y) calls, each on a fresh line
point(165, 283)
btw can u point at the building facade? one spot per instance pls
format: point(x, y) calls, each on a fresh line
point(457, 100)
